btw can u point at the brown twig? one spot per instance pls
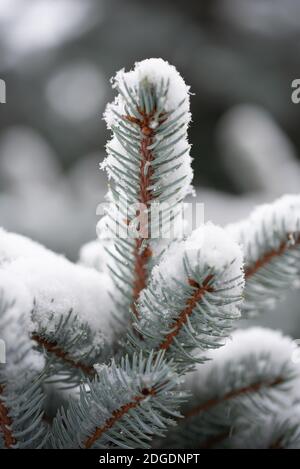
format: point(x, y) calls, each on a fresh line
point(142, 251)
point(277, 444)
point(54, 348)
point(267, 257)
point(231, 395)
point(117, 415)
point(214, 440)
point(6, 423)
point(198, 294)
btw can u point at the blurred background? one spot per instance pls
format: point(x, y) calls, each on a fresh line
point(57, 56)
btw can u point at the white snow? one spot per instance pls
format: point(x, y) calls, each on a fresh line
point(208, 246)
point(93, 255)
point(13, 246)
point(15, 321)
point(14, 296)
point(256, 342)
point(153, 70)
point(281, 217)
point(57, 285)
point(210, 251)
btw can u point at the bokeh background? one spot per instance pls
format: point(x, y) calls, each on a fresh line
point(57, 56)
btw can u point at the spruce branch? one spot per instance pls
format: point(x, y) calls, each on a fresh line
point(47, 287)
point(52, 349)
point(68, 345)
point(191, 305)
point(280, 430)
point(21, 411)
point(5, 423)
point(247, 427)
point(124, 406)
point(237, 394)
point(21, 380)
point(148, 162)
point(270, 238)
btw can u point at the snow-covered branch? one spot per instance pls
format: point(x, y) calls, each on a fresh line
point(54, 288)
point(148, 163)
point(270, 238)
point(193, 297)
point(126, 405)
point(250, 383)
point(21, 412)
